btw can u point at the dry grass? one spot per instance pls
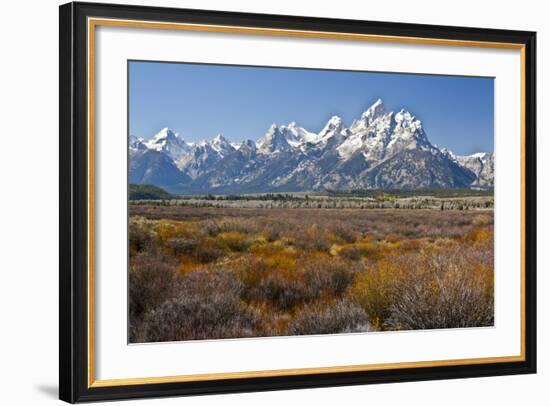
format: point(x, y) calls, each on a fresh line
point(198, 273)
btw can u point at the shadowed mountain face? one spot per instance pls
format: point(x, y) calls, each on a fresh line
point(381, 149)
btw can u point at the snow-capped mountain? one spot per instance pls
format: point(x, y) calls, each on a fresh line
point(168, 142)
point(136, 144)
point(221, 145)
point(203, 155)
point(380, 149)
point(148, 166)
point(482, 164)
point(297, 136)
point(275, 141)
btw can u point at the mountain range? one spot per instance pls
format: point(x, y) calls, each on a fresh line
point(380, 150)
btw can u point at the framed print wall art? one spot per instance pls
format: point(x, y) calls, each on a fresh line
point(257, 202)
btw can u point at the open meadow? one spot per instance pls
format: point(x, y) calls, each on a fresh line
point(204, 271)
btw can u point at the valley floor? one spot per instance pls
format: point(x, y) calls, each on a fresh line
point(218, 272)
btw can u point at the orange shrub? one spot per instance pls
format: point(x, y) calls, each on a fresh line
point(480, 235)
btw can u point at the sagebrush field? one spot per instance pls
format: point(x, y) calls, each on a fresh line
point(222, 272)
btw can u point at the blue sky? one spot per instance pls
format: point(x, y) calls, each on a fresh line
point(199, 101)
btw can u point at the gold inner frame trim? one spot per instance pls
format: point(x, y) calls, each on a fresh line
point(94, 22)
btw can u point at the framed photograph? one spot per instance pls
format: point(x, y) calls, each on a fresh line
point(257, 202)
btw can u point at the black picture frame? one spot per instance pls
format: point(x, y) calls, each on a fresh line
point(74, 199)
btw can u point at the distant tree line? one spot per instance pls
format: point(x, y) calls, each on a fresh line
point(377, 193)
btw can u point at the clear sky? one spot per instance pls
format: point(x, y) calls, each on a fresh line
point(199, 101)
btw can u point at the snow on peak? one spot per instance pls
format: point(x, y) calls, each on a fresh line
point(135, 144)
point(164, 134)
point(221, 145)
point(334, 126)
point(296, 136)
point(169, 142)
point(479, 155)
point(408, 133)
point(334, 123)
point(376, 110)
point(273, 141)
point(379, 134)
point(160, 138)
point(448, 153)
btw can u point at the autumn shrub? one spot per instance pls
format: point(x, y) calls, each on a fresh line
point(329, 276)
point(234, 241)
point(410, 245)
point(446, 289)
point(208, 251)
point(152, 280)
point(342, 316)
point(312, 238)
point(281, 290)
point(345, 232)
point(251, 269)
point(289, 282)
point(140, 235)
point(393, 237)
point(207, 306)
point(167, 229)
point(274, 230)
point(357, 251)
point(284, 271)
point(374, 289)
point(182, 245)
point(479, 234)
point(209, 228)
point(482, 220)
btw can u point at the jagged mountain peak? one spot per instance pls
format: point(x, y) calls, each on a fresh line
point(221, 145)
point(480, 155)
point(295, 135)
point(168, 142)
point(273, 141)
point(219, 139)
point(136, 144)
point(379, 134)
point(375, 115)
point(333, 133)
point(165, 133)
point(405, 119)
point(376, 110)
point(335, 123)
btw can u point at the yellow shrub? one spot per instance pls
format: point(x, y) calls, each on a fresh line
point(281, 261)
point(233, 240)
point(373, 290)
point(356, 251)
point(167, 229)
